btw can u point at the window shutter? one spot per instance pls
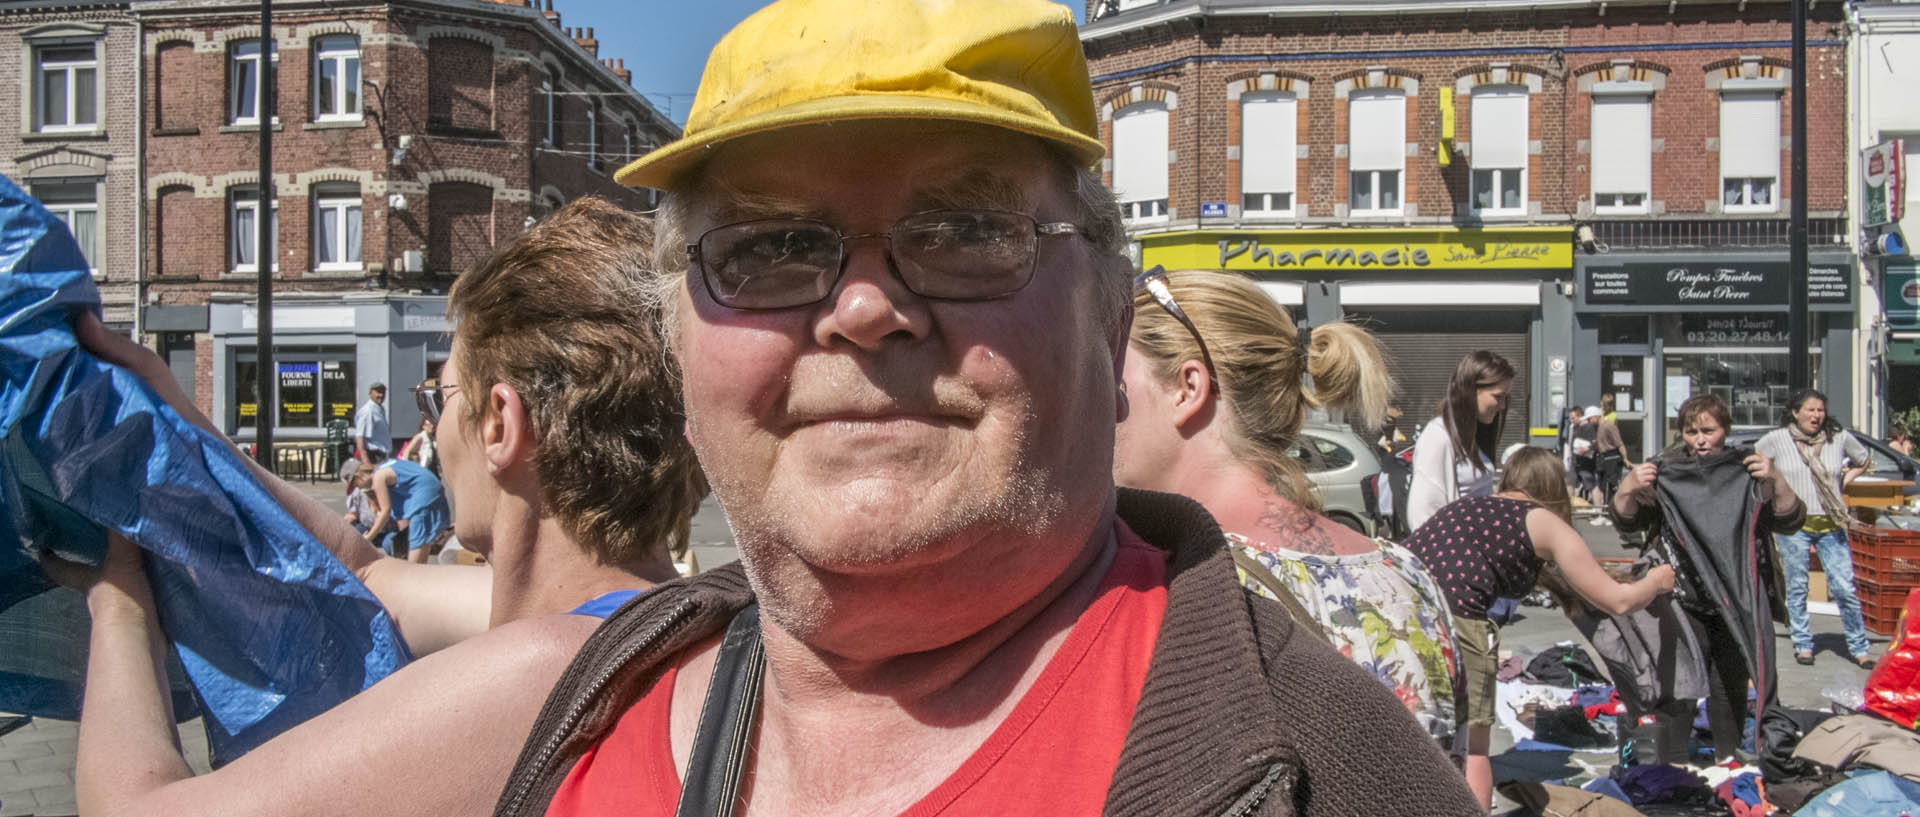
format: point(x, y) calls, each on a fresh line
point(1622, 144)
point(1140, 153)
point(1750, 135)
point(1499, 127)
point(1267, 154)
point(1377, 130)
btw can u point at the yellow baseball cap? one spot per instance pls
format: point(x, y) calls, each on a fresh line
point(1015, 64)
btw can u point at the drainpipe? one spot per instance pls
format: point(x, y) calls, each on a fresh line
point(139, 178)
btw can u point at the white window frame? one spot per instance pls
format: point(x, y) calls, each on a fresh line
point(1286, 152)
point(546, 92)
point(72, 68)
point(328, 48)
point(1373, 175)
point(346, 205)
point(1146, 209)
point(593, 136)
point(248, 198)
point(1751, 185)
point(1602, 145)
point(66, 211)
point(1496, 178)
point(628, 128)
point(235, 59)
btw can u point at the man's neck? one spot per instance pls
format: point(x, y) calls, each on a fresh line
point(539, 570)
point(830, 722)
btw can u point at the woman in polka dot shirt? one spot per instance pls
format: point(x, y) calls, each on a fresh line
point(1486, 547)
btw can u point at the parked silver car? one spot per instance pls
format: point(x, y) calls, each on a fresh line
point(1341, 466)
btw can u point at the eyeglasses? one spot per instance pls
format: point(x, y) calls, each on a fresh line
point(1154, 283)
point(949, 255)
point(432, 396)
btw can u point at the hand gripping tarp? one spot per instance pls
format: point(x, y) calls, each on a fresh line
point(269, 627)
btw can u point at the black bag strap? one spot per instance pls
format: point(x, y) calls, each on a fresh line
point(711, 787)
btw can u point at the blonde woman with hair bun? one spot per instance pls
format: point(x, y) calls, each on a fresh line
point(1218, 382)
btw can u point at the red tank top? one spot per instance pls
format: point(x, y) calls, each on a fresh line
point(1058, 746)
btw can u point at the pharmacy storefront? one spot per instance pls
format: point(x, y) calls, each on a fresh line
point(1429, 295)
point(1655, 329)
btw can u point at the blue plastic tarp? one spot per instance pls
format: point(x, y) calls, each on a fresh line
point(269, 627)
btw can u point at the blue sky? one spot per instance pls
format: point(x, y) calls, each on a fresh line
point(665, 42)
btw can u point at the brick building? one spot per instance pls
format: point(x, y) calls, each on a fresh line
point(409, 139)
point(1595, 189)
point(75, 150)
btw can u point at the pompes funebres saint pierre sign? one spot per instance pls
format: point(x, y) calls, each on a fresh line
point(1712, 283)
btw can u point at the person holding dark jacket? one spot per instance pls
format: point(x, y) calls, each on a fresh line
point(1711, 509)
point(1481, 548)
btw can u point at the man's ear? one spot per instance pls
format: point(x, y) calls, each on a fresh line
point(506, 432)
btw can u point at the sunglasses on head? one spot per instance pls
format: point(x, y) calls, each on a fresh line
point(1153, 283)
point(432, 396)
point(949, 255)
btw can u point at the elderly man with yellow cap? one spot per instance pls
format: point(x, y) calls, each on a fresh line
point(899, 304)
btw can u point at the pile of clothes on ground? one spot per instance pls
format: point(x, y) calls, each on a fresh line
point(1566, 720)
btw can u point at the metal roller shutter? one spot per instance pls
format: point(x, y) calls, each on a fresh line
point(1423, 348)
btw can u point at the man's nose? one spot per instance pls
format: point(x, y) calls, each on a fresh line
point(870, 303)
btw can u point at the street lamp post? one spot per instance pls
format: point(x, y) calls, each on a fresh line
point(266, 402)
point(1798, 372)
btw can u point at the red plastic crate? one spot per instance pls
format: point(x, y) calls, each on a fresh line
point(1887, 572)
point(1884, 543)
point(1880, 604)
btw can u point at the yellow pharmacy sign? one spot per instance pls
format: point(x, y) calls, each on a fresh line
point(1341, 250)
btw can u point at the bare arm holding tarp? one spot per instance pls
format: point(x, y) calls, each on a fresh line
point(433, 605)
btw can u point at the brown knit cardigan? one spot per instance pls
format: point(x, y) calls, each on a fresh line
point(1241, 713)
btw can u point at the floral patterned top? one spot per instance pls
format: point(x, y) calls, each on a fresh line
point(1379, 609)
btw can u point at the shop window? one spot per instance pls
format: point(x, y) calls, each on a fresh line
point(243, 224)
point(1140, 160)
point(66, 88)
point(246, 82)
point(336, 227)
point(1739, 357)
point(1622, 158)
point(1376, 151)
point(336, 78)
point(312, 386)
point(1500, 150)
point(1269, 124)
point(77, 205)
point(1749, 151)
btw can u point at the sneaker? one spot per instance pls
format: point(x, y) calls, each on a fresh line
point(1865, 661)
point(1804, 658)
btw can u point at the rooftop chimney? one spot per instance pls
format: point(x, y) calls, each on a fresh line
point(585, 38)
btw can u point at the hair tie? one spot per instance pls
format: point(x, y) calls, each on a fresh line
point(1304, 345)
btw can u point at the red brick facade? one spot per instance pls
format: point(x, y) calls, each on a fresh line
point(1687, 51)
point(449, 155)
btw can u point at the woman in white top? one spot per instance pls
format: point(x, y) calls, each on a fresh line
point(1454, 456)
